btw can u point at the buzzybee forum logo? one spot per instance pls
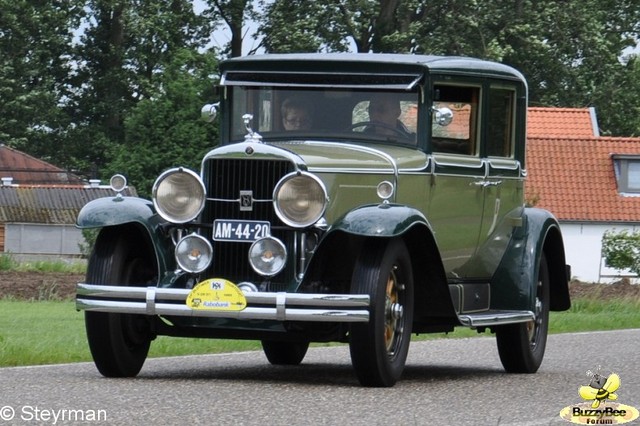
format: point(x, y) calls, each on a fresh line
point(599, 407)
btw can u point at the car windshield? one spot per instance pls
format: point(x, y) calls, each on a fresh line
point(334, 114)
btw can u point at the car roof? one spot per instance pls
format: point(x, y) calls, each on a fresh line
point(379, 63)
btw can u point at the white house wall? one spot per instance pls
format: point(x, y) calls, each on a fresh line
point(583, 250)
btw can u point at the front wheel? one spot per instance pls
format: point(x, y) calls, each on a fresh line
point(379, 348)
point(119, 343)
point(521, 346)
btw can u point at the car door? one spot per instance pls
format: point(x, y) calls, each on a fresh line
point(503, 184)
point(456, 202)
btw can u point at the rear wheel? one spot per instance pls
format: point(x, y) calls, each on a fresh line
point(119, 343)
point(521, 346)
point(284, 353)
point(379, 348)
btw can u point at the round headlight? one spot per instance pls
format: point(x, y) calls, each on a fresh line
point(385, 190)
point(118, 183)
point(178, 195)
point(300, 199)
point(267, 256)
point(193, 253)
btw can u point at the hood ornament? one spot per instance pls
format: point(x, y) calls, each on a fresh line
point(251, 135)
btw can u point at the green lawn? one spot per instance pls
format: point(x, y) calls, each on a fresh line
point(49, 332)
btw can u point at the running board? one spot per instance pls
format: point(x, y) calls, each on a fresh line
point(491, 318)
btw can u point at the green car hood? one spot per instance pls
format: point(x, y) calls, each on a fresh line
point(356, 157)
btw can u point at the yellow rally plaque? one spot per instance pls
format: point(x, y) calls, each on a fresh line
point(216, 294)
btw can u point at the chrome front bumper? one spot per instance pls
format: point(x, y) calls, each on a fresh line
point(271, 306)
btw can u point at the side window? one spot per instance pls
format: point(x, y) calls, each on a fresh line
point(461, 134)
point(500, 126)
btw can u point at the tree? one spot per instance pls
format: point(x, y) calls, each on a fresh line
point(234, 13)
point(121, 57)
point(35, 46)
point(334, 26)
point(165, 130)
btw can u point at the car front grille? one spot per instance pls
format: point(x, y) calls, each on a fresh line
point(225, 179)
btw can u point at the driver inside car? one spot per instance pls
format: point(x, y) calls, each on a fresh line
point(384, 113)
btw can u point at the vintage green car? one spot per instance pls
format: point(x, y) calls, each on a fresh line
point(357, 198)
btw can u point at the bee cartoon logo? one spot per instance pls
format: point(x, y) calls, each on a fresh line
point(600, 388)
point(599, 407)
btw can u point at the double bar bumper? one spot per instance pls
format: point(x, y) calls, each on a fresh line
point(260, 306)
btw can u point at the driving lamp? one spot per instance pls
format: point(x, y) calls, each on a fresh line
point(193, 253)
point(267, 256)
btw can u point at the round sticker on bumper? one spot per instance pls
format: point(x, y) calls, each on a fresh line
point(216, 294)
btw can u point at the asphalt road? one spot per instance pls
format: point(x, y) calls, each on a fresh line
point(446, 382)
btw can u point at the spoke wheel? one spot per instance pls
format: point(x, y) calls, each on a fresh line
point(284, 353)
point(379, 348)
point(119, 343)
point(521, 346)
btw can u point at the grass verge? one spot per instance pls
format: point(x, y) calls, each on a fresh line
point(50, 332)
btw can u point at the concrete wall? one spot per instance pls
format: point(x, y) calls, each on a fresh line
point(583, 247)
point(35, 241)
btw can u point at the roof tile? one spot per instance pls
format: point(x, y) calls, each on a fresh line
point(25, 169)
point(562, 122)
point(574, 178)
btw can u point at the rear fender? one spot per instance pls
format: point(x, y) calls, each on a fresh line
point(513, 286)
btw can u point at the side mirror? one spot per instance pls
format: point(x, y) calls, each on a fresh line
point(209, 112)
point(442, 116)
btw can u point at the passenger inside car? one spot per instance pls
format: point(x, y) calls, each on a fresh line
point(296, 114)
point(384, 113)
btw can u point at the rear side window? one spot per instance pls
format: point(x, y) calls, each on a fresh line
point(500, 123)
point(461, 134)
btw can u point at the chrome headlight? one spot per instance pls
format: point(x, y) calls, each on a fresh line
point(194, 253)
point(267, 256)
point(300, 199)
point(118, 183)
point(178, 195)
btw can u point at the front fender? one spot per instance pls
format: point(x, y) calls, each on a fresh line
point(380, 220)
point(111, 211)
point(121, 212)
point(337, 253)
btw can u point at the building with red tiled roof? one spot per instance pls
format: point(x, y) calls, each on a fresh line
point(588, 182)
point(25, 169)
point(562, 122)
point(39, 203)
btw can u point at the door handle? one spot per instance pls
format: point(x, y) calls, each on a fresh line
point(486, 183)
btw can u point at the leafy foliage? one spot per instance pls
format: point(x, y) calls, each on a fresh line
point(164, 130)
point(621, 250)
point(35, 38)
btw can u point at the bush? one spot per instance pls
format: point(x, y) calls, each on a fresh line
point(7, 262)
point(621, 250)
